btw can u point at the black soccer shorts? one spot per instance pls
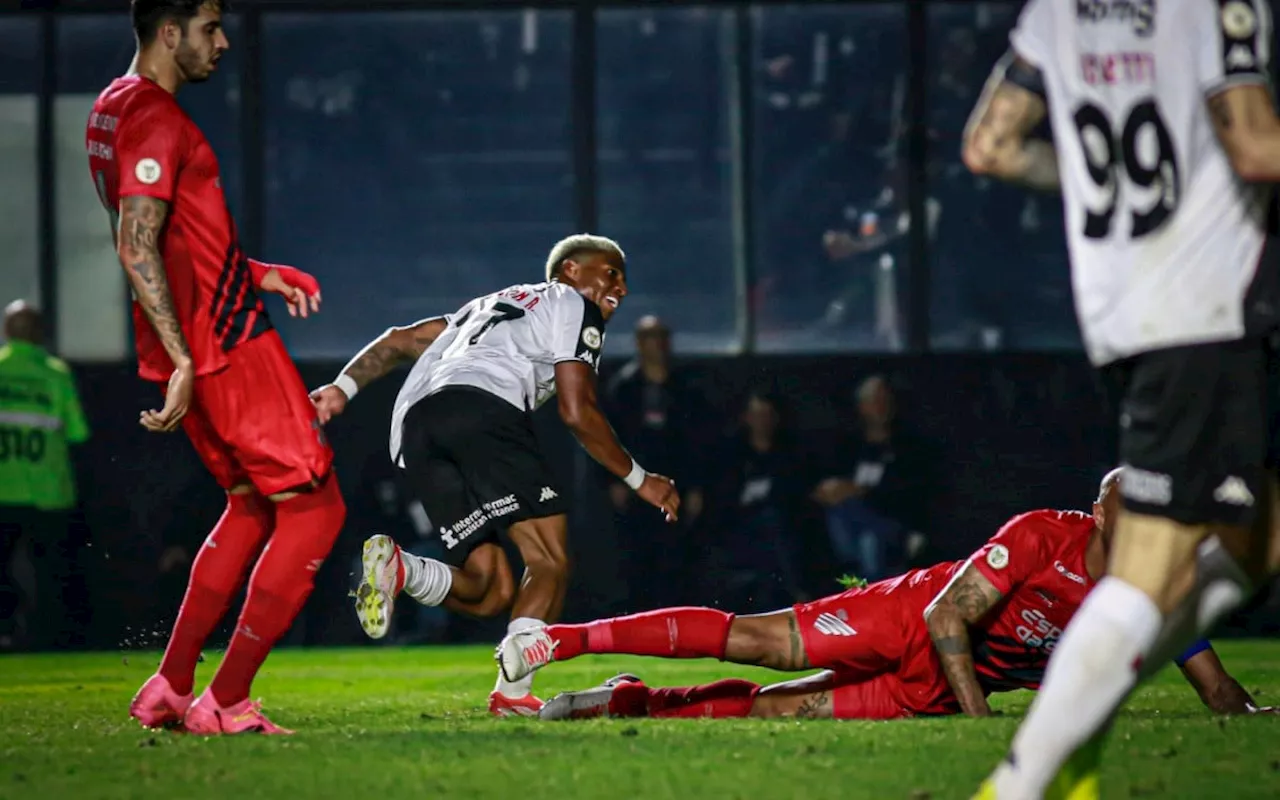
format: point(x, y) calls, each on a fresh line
point(473, 461)
point(1196, 430)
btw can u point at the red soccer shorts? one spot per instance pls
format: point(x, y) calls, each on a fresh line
point(879, 649)
point(253, 422)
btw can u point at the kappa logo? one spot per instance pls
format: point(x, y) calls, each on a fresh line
point(831, 625)
point(547, 494)
point(1234, 492)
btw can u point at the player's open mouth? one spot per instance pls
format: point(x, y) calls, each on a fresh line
point(611, 301)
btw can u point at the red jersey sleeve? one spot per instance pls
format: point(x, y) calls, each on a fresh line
point(1017, 551)
point(150, 148)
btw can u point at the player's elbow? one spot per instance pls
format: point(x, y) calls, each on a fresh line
point(1249, 161)
point(573, 411)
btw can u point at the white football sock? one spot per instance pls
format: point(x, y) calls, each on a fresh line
point(1221, 586)
point(1091, 673)
point(523, 686)
point(426, 580)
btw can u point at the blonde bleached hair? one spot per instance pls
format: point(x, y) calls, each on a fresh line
point(571, 246)
point(1109, 480)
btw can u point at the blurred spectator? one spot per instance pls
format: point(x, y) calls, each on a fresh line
point(40, 416)
point(878, 493)
point(658, 415)
point(753, 511)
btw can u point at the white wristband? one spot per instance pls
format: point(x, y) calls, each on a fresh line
point(635, 477)
point(347, 384)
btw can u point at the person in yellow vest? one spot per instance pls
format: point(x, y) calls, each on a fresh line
point(40, 417)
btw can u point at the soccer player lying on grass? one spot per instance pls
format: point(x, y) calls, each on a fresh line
point(934, 641)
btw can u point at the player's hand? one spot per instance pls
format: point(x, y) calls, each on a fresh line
point(177, 399)
point(330, 401)
point(301, 292)
point(660, 491)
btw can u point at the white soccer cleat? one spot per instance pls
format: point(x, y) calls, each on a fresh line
point(380, 582)
point(584, 704)
point(524, 652)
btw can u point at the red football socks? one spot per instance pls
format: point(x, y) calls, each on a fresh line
point(217, 572)
point(306, 527)
point(719, 700)
point(668, 633)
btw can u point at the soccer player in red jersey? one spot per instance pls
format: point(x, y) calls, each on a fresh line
point(203, 334)
point(934, 641)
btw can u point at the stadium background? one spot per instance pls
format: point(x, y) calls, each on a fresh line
point(412, 155)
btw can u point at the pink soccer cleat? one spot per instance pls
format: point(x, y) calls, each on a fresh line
point(207, 718)
point(502, 706)
point(157, 705)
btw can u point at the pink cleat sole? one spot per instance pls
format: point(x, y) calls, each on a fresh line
point(157, 705)
point(502, 706)
point(207, 718)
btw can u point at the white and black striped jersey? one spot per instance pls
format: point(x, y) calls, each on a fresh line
point(508, 344)
point(1164, 238)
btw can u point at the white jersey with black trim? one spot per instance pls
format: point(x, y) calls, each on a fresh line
point(507, 344)
point(1164, 238)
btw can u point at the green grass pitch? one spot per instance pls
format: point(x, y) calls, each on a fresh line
point(391, 723)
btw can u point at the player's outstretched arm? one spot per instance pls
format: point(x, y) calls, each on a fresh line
point(995, 137)
point(964, 602)
point(1221, 693)
point(394, 347)
point(138, 247)
point(1244, 118)
point(580, 410)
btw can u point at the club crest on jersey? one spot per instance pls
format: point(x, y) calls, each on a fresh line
point(1238, 20)
point(998, 557)
point(591, 337)
point(147, 171)
point(1141, 14)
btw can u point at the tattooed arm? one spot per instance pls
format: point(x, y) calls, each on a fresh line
point(995, 138)
point(964, 602)
point(138, 246)
point(1244, 119)
point(395, 346)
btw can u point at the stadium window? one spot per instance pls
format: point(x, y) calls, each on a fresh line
point(831, 224)
point(94, 49)
point(999, 273)
point(19, 225)
point(423, 160)
point(665, 166)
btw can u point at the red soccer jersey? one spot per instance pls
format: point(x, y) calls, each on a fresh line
point(141, 142)
point(1037, 561)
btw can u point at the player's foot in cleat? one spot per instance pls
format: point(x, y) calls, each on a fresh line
point(585, 704)
point(157, 705)
point(207, 718)
point(502, 706)
point(381, 579)
point(523, 652)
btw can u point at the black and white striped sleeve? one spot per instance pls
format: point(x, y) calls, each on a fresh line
point(1234, 49)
